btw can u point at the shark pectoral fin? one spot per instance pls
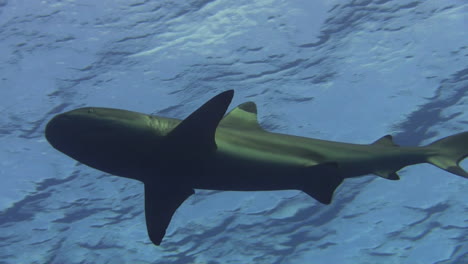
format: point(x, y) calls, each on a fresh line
point(243, 116)
point(322, 181)
point(196, 133)
point(160, 205)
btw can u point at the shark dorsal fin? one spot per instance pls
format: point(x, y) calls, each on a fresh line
point(196, 133)
point(386, 140)
point(243, 116)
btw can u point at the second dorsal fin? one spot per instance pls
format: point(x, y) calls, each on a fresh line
point(386, 140)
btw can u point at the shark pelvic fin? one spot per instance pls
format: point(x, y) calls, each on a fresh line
point(243, 116)
point(389, 175)
point(386, 140)
point(321, 181)
point(196, 133)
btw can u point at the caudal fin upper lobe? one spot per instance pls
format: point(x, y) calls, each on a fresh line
point(447, 153)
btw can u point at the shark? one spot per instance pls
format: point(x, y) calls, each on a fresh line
point(229, 152)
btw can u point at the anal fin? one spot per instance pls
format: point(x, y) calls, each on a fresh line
point(161, 202)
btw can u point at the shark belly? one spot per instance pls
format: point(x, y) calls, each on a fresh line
point(231, 173)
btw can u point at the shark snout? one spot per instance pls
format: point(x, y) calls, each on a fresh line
point(57, 128)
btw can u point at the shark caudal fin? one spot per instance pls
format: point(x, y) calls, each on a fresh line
point(447, 153)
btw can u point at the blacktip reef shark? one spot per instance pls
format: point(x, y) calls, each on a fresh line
point(208, 150)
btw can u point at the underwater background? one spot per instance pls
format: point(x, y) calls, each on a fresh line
point(348, 71)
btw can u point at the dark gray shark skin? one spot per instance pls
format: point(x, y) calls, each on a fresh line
point(208, 150)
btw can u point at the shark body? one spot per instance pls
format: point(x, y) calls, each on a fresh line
point(208, 150)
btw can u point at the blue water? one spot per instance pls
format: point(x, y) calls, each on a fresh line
point(348, 71)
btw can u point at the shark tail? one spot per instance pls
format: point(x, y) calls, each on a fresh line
point(447, 153)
